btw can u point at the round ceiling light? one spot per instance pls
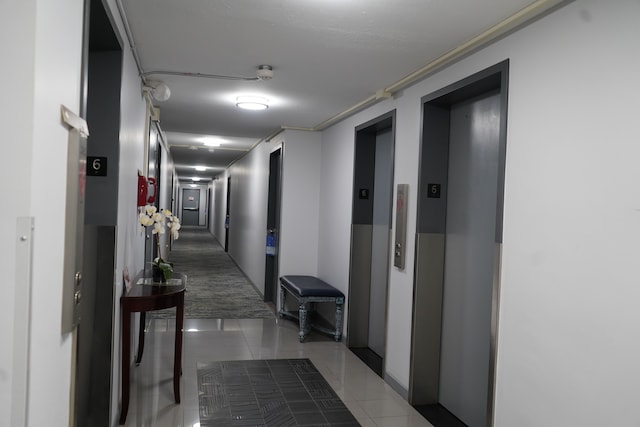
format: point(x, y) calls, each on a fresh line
point(254, 103)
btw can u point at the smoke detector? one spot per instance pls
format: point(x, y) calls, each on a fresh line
point(265, 72)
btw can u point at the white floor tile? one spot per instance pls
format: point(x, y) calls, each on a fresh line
point(369, 398)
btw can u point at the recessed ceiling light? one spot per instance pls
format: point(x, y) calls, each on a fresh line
point(201, 168)
point(211, 141)
point(193, 185)
point(252, 103)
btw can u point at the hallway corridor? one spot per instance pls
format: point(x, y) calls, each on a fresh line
point(371, 401)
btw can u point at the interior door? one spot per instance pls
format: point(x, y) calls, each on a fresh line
point(273, 225)
point(190, 206)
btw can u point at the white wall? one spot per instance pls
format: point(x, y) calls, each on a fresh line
point(568, 338)
point(16, 23)
point(42, 77)
point(130, 238)
point(218, 213)
point(298, 250)
point(248, 212)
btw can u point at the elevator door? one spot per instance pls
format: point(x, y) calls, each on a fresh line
point(469, 252)
point(383, 193)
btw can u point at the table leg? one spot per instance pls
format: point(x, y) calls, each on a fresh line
point(177, 358)
point(126, 351)
point(143, 317)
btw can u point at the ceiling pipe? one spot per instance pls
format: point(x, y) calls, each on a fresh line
point(208, 76)
point(132, 45)
point(519, 18)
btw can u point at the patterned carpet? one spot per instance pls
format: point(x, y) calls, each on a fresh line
point(216, 288)
point(282, 392)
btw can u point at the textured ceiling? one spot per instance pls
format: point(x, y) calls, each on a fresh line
point(327, 56)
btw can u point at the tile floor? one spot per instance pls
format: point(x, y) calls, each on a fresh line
point(370, 399)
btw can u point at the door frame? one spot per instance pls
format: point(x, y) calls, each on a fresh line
point(361, 236)
point(274, 204)
point(429, 275)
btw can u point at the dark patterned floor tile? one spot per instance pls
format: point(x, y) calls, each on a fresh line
point(340, 417)
point(257, 370)
point(331, 405)
point(310, 418)
point(303, 406)
point(275, 393)
point(296, 395)
point(280, 419)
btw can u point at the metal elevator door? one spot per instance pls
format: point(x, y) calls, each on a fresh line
point(469, 251)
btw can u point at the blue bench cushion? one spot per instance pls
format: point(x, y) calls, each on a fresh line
point(309, 286)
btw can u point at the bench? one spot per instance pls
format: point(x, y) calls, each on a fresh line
point(309, 289)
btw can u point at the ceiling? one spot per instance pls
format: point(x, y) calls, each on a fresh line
point(329, 58)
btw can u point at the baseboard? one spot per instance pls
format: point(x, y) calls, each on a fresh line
point(404, 392)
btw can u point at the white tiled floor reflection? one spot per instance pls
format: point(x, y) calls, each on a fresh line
point(369, 398)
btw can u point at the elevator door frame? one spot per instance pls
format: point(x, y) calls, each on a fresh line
point(431, 238)
point(362, 236)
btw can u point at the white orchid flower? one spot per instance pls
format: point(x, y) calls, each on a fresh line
point(167, 213)
point(158, 218)
point(151, 210)
point(175, 234)
point(158, 228)
point(144, 220)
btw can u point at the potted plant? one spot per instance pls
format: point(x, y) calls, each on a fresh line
point(160, 220)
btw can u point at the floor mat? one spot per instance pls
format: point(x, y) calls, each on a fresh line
point(280, 392)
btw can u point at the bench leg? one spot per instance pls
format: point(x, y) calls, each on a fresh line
point(302, 316)
point(339, 315)
point(282, 299)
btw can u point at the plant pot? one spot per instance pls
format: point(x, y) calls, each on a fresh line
point(157, 274)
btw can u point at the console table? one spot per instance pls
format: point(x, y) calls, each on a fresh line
point(146, 295)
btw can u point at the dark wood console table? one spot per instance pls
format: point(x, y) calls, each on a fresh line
point(145, 295)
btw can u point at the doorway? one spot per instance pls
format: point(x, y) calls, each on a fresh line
point(153, 167)
point(100, 105)
point(191, 206)
point(458, 243)
point(370, 240)
point(273, 227)
point(227, 216)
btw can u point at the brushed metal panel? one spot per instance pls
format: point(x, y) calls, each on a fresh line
point(427, 318)
point(359, 285)
point(402, 195)
point(74, 227)
point(493, 354)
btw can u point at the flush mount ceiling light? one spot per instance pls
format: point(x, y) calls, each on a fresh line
point(254, 103)
point(195, 179)
point(201, 168)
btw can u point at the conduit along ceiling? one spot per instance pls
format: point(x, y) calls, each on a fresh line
point(326, 58)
